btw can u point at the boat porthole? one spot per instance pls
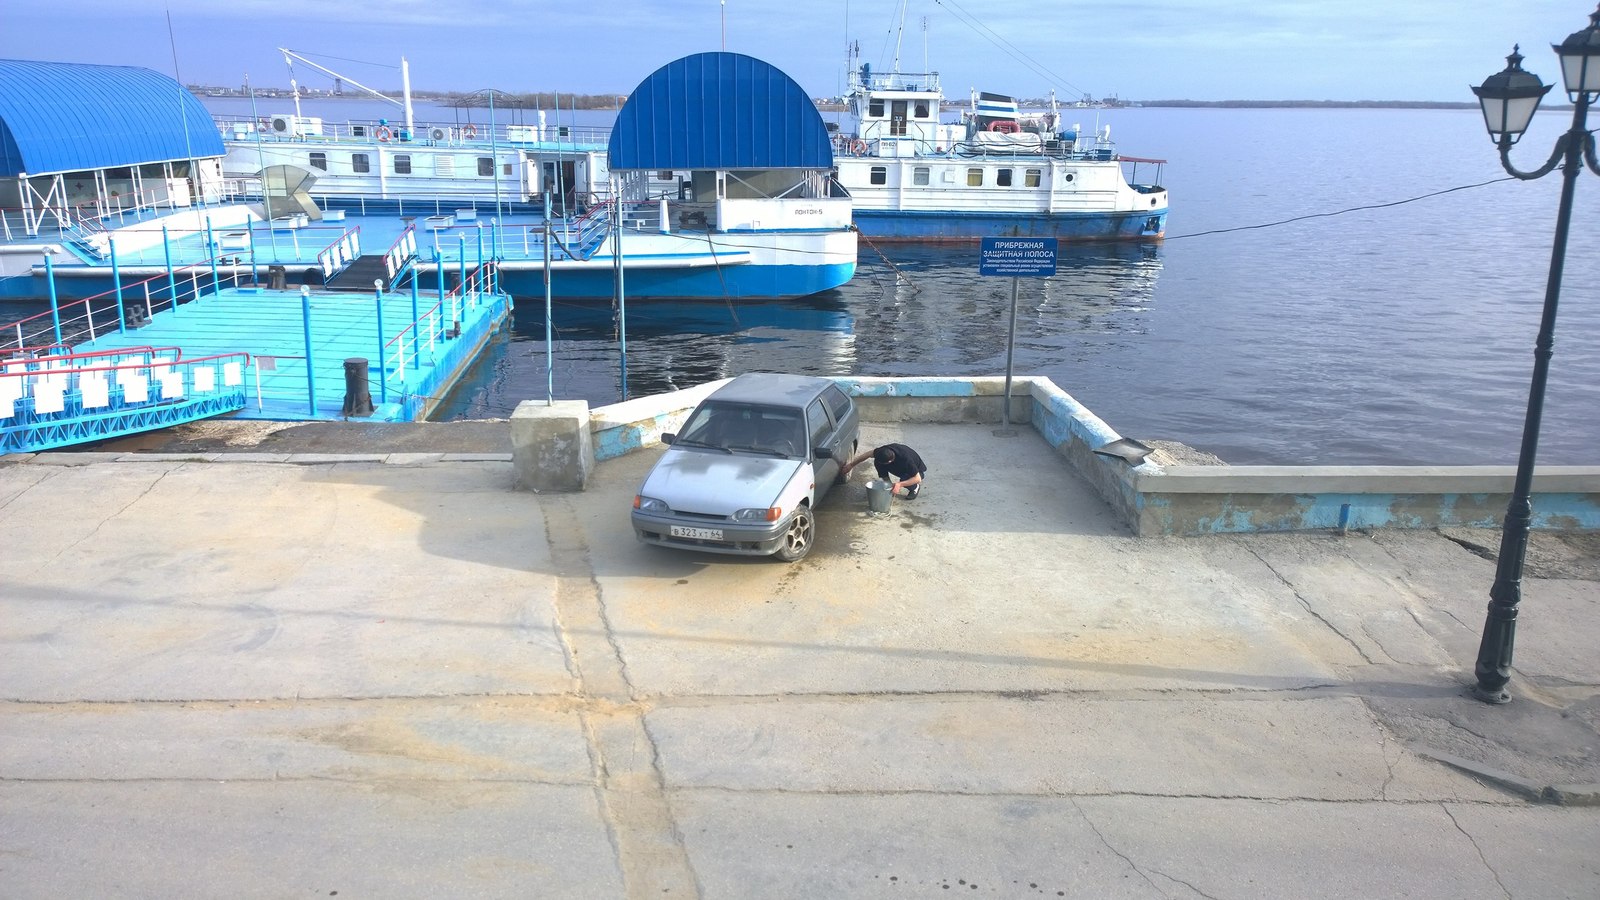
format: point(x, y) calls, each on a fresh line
point(1069, 176)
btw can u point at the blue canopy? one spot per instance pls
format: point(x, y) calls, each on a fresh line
point(68, 117)
point(719, 111)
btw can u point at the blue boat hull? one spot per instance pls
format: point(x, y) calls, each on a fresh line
point(741, 282)
point(880, 225)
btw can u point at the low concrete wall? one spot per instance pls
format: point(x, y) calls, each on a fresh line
point(1151, 499)
point(551, 449)
point(622, 428)
point(1190, 500)
point(944, 401)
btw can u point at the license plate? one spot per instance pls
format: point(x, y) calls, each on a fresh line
point(699, 534)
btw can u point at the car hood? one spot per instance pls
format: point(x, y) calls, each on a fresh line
point(716, 483)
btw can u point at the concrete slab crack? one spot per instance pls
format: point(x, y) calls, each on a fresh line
point(630, 787)
point(1308, 607)
point(50, 563)
point(1119, 854)
point(1484, 859)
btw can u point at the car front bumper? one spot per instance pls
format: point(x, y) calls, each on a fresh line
point(738, 538)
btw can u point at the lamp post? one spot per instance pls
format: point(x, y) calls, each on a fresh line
point(1510, 98)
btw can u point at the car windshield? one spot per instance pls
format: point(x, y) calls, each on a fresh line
point(772, 430)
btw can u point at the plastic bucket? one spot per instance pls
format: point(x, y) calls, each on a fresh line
point(878, 494)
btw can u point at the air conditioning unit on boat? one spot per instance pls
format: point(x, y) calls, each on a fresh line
point(295, 126)
point(438, 134)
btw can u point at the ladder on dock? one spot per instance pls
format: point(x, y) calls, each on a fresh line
point(51, 398)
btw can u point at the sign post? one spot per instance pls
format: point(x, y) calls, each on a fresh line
point(1015, 257)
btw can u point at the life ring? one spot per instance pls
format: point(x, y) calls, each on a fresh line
point(1005, 126)
point(469, 131)
point(858, 147)
point(383, 133)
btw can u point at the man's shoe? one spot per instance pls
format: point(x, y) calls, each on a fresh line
point(911, 492)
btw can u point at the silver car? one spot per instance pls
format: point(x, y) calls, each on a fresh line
point(745, 473)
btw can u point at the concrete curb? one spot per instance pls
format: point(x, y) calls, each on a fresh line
point(1560, 794)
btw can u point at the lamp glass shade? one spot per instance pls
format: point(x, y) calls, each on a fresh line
point(1580, 70)
point(1508, 115)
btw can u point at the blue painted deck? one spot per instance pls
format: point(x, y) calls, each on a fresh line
point(421, 361)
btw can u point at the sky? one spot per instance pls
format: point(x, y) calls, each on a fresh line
point(1424, 50)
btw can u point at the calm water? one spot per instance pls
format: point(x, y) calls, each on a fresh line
point(1401, 335)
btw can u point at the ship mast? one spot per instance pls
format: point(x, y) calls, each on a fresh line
point(405, 84)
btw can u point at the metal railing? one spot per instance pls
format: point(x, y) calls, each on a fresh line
point(70, 323)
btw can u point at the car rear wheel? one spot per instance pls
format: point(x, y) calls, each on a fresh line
point(798, 537)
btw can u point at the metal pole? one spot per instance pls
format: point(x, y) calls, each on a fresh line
point(1493, 668)
point(416, 327)
point(461, 253)
point(383, 381)
point(305, 323)
point(250, 236)
point(172, 280)
point(438, 272)
point(116, 286)
point(1011, 345)
point(622, 294)
point(211, 248)
point(549, 328)
point(55, 307)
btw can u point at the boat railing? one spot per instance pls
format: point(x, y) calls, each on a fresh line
point(125, 306)
point(338, 255)
point(920, 82)
point(247, 129)
point(83, 397)
point(441, 322)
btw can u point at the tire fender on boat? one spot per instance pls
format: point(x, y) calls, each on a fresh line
point(383, 133)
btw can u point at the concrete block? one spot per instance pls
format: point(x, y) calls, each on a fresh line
point(551, 448)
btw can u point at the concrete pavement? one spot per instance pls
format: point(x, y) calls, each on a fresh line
point(393, 676)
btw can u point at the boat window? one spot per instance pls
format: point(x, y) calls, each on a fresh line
point(664, 175)
point(919, 175)
point(875, 108)
point(505, 168)
point(319, 161)
point(974, 177)
point(486, 166)
point(1003, 178)
point(922, 109)
point(1030, 178)
point(880, 175)
point(402, 164)
point(360, 162)
point(1069, 176)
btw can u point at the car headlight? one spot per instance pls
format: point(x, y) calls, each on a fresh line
point(649, 504)
point(763, 514)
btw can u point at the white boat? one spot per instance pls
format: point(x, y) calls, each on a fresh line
point(996, 172)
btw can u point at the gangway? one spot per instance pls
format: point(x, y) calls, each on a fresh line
point(51, 398)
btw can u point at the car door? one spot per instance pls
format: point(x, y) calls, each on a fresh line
point(824, 434)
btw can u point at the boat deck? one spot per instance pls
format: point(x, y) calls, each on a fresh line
point(425, 344)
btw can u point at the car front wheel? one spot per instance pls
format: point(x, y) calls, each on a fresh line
point(798, 537)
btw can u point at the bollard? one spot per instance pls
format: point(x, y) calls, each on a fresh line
point(277, 278)
point(357, 393)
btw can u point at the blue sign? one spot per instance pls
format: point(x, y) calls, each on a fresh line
point(1017, 256)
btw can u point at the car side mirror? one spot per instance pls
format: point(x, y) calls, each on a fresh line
point(668, 437)
point(822, 452)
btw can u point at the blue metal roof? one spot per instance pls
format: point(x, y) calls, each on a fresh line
point(67, 117)
point(719, 111)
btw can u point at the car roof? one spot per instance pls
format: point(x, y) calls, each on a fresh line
point(771, 389)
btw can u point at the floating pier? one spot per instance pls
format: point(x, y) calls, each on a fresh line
point(415, 346)
point(251, 352)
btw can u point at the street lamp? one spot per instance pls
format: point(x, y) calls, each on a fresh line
point(1509, 99)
